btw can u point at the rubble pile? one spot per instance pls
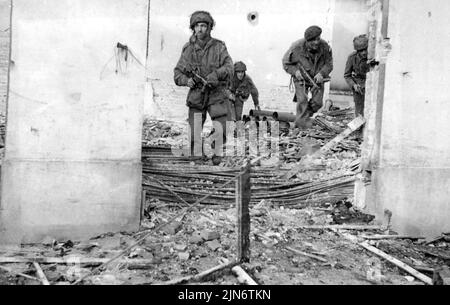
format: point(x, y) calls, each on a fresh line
point(326, 179)
point(159, 133)
point(284, 250)
point(302, 231)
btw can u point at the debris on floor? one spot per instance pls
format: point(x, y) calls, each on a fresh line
point(304, 230)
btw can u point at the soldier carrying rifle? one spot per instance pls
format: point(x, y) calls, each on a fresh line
point(309, 61)
point(205, 67)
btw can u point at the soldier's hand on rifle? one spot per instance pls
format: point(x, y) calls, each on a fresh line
point(257, 107)
point(298, 75)
point(318, 78)
point(231, 97)
point(191, 83)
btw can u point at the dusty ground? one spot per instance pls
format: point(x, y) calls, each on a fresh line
point(204, 236)
point(198, 240)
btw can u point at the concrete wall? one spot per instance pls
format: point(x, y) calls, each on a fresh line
point(413, 176)
point(260, 44)
point(4, 50)
point(72, 161)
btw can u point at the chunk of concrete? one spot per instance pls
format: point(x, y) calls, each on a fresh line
point(184, 256)
point(172, 228)
point(196, 238)
point(213, 245)
point(210, 235)
point(180, 247)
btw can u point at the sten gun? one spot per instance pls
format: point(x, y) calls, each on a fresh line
point(200, 82)
point(309, 79)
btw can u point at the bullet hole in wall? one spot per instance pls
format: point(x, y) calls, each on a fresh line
point(252, 17)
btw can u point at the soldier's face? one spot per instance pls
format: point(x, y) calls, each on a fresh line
point(363, 54)
point(201, 30)
point(313, 44)
point(240, 75)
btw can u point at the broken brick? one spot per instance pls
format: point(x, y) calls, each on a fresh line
point(172, 228)
point(179, 247)
point(184, 256)
point(213, 245)
point(210, 235)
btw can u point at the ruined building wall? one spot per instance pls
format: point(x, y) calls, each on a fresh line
point(4, 50)
point(72, 166)
point(412, 171)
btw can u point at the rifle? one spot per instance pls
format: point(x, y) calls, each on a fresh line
point(310, 79)
point(200, 82)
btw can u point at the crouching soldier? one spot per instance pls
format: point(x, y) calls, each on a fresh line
point(356, 70)
point(309, 61)
point(241, 88)
point(206, 68)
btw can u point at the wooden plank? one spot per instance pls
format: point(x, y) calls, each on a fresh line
point(341, 227)
point(379, 237)
point(435, 239)
point(243, 194)
point(398, 263)
point(243, 276)
point(41, 274)
point(198, 277)
point(19, 274)
point(68, 260)
point(307, 254)
point(352, 126)
point(389, 258)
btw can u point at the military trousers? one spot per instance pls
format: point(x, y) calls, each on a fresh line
point(305, 107)
point(239, 107)
point(196, 120)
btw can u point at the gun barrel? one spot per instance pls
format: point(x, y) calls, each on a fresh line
point(204, 81)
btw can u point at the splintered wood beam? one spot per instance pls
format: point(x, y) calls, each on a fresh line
point(69, 260)
point(243, 194)
point(41, 274)
point(19, 274)
point(307, 254)
point(243, 276)
point(352, 127)
point(398, 263)
point(380, 237)
point(198, 277)
point(342, 227)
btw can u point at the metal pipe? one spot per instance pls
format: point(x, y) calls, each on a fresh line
point(260, 113)
point(284, 116)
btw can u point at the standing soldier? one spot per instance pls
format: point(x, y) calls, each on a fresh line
point(309, 61)
point(206, 68)
point(356, 70)
point(241, 88)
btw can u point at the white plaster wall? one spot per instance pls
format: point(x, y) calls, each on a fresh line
point(4, 50)
point(414, 173)
point(417, 104)
point(73, 123)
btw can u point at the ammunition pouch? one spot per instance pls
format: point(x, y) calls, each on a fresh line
point(195, 99)
point(218, 106)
